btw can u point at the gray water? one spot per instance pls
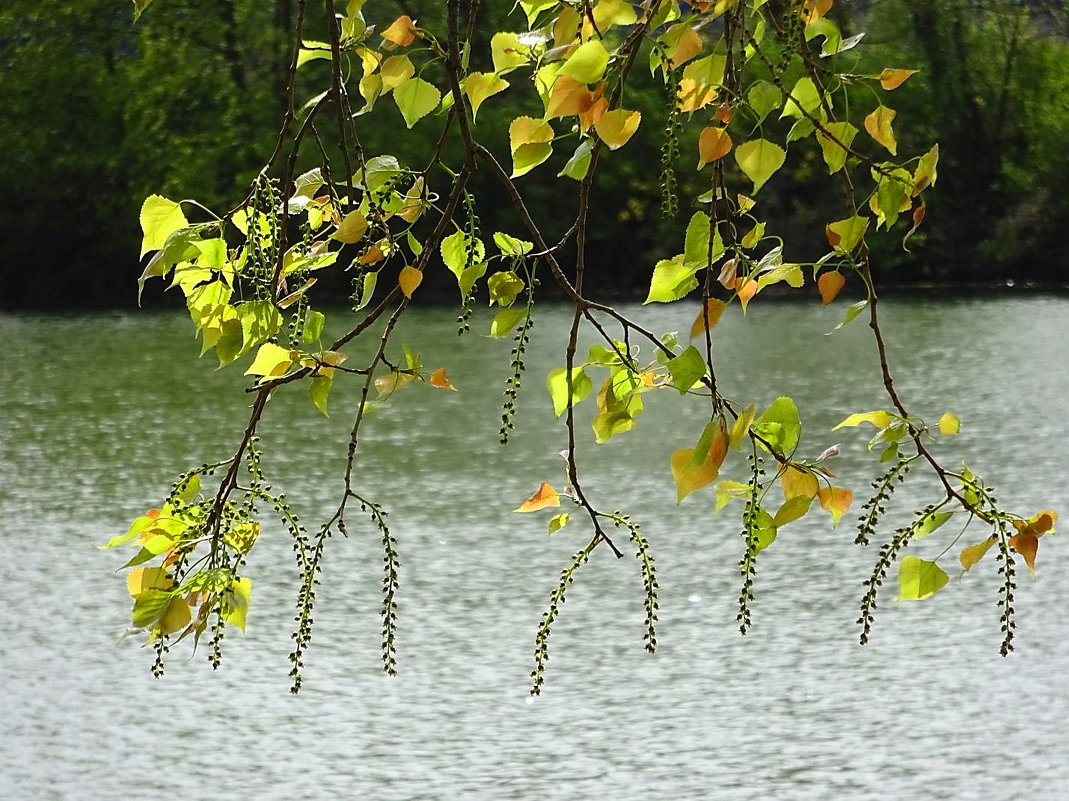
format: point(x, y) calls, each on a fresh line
point(101, 412)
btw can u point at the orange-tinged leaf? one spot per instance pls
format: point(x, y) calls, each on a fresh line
point(374, 255)
point(723, 113)
point(746, 288)
point(727, 273)
point(402, 31)
point(409, 279)
point(713, 143)
point(798, 483)
point(974, 553)
point(439, 380)
point(617, 126)
point(835, 500)
point(812, 10)
point(878, 124)
point(829, 284)
point(352, 228)
point(1044, 521)
point(694, 94)
point(687, 45)
point(891, 79)
point(567, 97)
point(689, 478)
point(708, 317)
point(545, 497)
point(592, 111)
point(1026, 544)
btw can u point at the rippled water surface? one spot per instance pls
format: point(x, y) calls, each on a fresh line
point(100, 413)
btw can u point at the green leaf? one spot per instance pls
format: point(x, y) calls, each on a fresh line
point(235, 603)
point(792, 510)
point(260, 321)
point(851, 313)
point(919, 579)
point(271, 361)
point(149, 606)
point(319, 391)
point(504, 287)
point(367, 290)
point(415, 99)
point(456, 249)
point(557, 382)
point(780, 426)
point(559, 521)
point(930, 523)
point(587, 64)
point(804, 97)
point(696, 251)
point(530, 141)
point(160, 218)
point(759, 160)
point(579, 163)
point(139, 8)
point(511, 246)
point(833, 152)
point(505, 322)
point(671, 281)
point(313, 326)
point(846, 235)
point(764, 98)
point(686, 368)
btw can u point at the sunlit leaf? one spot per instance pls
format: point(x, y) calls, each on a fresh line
point(409, 279)
point(587, 64)
point(846, 235)
point(689, 477)
point(919, 579)
point(439, 381)
point(759, 160)
point(830, 283)
point(617, 126)
point(507, 52)
point(798, 483)
point(160, 218)
point(791, 510)
point(148, 578)
point(504, 286)
point(479, 86)
point(415, 99)
point(779, 426)
point(687, 368)
point(505, 322)
point(545, 497)
point(402, 31)
point(741, 427)
point(671, 281)
point(235, 602)
point(727, 491)
point(557, 522)
point(974, 553)
point(926, 172)
point(579, 163)
point(878, 124)
point(836, 501)
point(271, 361)
point(557, 383)
point(803, 99)
point(319, 391)
point(395, 71)
point(763, 98)
point(529, 141)
point(682, 43)
point(930, 523)
point(891, 79)
point(713, 143)
point(708, 317)
point(880, 419)
point(949, 424)
point(833, 144)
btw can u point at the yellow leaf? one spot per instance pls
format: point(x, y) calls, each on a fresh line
point(880, 419)
point(741, 427)
point(829, 284)
point(409, 279)
point(878, 124)
point(395, 71)
point(352, 228)
point(479, 86)
point(387, 384)
point(148, 578)
point(557, 522)
point(798, 483)
point(176, 617)
point(402, 31)
point(949, 424)
point(835, 500)
point(694, 95)
point(686, 46)
point(567, 96)
point(708, 317)
point(617, 126)
point(713, 143)
point(812, 10)
point(544, 497)
point(791, 510)
point(439, 380)
point(974, 553)
point(271, 361)
point(891, 79)
point(414, 202)
point(745, 288)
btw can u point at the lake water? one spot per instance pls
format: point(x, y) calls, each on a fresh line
point(100, 412)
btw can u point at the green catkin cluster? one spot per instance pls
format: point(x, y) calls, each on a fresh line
point(649, 576)
point(517, 365)
point(471, 255)
point(556, 600)
point(390, 584)
point(263, 236)
point(670, 146)
point(750, 534)
point(310, 568)
point(872, 510)
point(1004, 556)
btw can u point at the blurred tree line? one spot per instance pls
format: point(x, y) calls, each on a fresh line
point(97, 112)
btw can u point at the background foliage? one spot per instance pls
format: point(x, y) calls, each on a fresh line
point(99, 113)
